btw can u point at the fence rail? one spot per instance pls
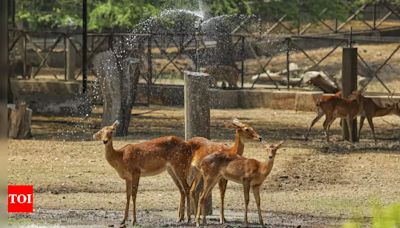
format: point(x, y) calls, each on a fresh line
point(261, 46)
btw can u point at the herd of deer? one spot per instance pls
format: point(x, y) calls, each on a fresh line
point(200, 157)
point(356, 104)
point(189, 162)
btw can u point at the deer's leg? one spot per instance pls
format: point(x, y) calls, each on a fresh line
point(315, 120)
point(328, 121)
point(181, 210)
point(194, 196)
point(256, 192)
point(349, 120)
point(371, 125)
point(135, 186)
point(182, 175)
point(222, 188)
point(329, 126)
point(209, 183)
point(362, 118)
point(128, 199)
point(246, 191)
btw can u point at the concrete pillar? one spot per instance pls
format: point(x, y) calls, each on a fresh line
point(349, 84)
point(71, 60)
point(197, 105)
point(197, 113)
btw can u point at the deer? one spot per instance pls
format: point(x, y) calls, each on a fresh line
point(201, 147)
point(223, 73)
point(338, 107)
point(320, 111)
point(149, 158)
point(372, 109)
point(251, 173)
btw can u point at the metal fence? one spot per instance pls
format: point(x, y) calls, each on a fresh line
point(258, 48)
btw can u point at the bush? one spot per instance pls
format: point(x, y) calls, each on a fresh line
point(382, 217)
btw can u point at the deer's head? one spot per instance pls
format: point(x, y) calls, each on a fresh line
point(272, 149)
point(105, 134)
point(245, 131)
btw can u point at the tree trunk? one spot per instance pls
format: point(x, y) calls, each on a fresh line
point(118, 80)
point(19, 121)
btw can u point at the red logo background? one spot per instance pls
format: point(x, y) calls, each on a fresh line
point(20, 207)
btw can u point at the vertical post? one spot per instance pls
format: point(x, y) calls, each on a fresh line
point(349, 84)
point(288, 63)
point(3, 102)
point(65, 57)
point(24, 41)
point(336, 25)
point(242, 64)
point(196, 59)
point(374, 16)
point(197, 112)
point(150, 67)
point(84, 46)
point(71, 58)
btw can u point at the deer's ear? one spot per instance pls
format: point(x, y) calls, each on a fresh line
point(230, 125)
point(277, 146)
point(237, 123)
point(115, 124)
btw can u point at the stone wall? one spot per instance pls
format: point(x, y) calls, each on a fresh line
point(61, 97)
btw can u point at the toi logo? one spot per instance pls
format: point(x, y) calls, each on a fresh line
point(20, 199)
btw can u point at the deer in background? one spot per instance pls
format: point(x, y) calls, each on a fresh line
point(248, 172)
point(337, 107)
point(223, 73)
point(202, 147)
point(320, 109)
point(372, 109)
point(148, 159)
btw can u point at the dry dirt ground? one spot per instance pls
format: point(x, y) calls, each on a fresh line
point(313, 184)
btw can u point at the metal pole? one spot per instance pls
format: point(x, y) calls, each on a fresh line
point(242, 64)
point(65, 57)
point(150, 68)
point(374, 16)
point(25, 51)
point(288, 63)
point(84, 46)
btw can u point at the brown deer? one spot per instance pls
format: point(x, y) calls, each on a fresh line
point(337, 107)
point(202, 147)
point(148, 159)
point(248, 172)
point(320, 111)
point(372, 109)
point(223, 73)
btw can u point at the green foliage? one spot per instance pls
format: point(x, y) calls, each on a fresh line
point(383, 217)
point(125, 14)
point(48, 14)
point(308, 10)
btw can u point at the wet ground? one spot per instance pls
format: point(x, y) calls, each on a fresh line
point(313, 183)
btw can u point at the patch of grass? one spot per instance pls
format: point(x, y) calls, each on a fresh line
point(20, 221)
point(383, 217)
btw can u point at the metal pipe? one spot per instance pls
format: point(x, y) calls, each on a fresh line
point(84, 46)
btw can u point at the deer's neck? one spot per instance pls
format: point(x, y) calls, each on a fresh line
point(268, 166)
point(110, 151)
point(238, 147)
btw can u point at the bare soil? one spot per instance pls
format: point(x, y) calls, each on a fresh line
point(313, 183)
